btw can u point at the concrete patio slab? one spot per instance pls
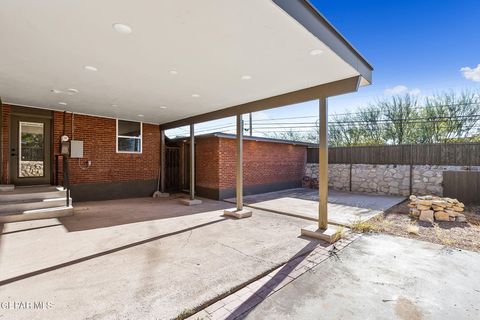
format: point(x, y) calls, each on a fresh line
point(243, 300)
point(382, 277)
point(139, 258)
point(344, 208)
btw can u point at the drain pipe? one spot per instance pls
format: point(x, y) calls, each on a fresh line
point(66, 182)
point(63, 156)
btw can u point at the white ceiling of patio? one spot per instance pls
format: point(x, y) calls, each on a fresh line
point(181, 58)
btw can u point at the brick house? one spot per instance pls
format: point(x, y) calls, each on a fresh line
point(86, 102)
point(104, 173)
point(110, 175)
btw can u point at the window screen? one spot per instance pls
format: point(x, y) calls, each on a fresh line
point(129, 136)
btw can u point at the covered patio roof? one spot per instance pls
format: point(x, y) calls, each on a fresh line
point(173, 62)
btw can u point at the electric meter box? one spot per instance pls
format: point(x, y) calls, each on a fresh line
point(76, 149)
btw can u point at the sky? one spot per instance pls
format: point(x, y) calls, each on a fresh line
point(415, 46)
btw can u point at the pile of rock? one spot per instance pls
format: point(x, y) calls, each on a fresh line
point(430, 208)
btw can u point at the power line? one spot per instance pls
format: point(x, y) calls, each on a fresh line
point(360, 112)
point(268, 124)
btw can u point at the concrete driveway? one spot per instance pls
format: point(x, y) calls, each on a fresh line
point(137, 258)
point(382, 277)
point(344, 208)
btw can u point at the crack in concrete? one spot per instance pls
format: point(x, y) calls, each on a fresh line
point(245, 254)
point(334, 253)
point(188, 239)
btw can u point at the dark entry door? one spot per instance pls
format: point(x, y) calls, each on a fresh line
point(30, 139)
point(172, 172)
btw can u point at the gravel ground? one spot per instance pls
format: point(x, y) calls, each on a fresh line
point(396, 221)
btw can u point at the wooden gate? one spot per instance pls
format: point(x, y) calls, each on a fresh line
point(172, 169)
point(462, 185)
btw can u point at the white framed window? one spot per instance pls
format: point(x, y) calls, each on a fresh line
point(129, 136)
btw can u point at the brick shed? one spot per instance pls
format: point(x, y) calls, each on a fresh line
point(268, 164)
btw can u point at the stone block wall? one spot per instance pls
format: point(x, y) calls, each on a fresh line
point(428, 180)
point(386, 179)
point(382, 179)
point(339, 176)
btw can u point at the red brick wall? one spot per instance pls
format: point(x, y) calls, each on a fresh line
point(99, 146)
point(263, 163)
point(207, 162)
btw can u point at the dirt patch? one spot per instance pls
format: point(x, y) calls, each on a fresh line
point(407, 310)
point(397, 221)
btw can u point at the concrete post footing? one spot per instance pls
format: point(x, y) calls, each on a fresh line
point(331, 234)
point(189, 202)
point(161, 195)
point(239, 214)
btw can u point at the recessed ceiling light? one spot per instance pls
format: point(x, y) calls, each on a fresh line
point(140, 115)
point(163, 107)
point(246, 77)
point(122, 28)
point(62, 103)
point(114, 105)
point(72, 91)
point(196, 95)
point(173, 72)
point(55, 91)
point(316, 52)
point(90, 68)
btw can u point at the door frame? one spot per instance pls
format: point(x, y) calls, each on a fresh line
point(31, 114)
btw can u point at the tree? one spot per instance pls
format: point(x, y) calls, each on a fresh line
point(450, 116)
point(398, 113)
point(371, 119)
point(342, 131)
point(291, 135)
point(445, 117)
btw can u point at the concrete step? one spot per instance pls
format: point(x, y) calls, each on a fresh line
point(25, 205)
point(46, 213)
point(32, 193)
point(7, 187)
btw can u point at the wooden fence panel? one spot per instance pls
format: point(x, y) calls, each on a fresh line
point(460, 154)
point(450, 153)
point(474, 152)
point(462, 185)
